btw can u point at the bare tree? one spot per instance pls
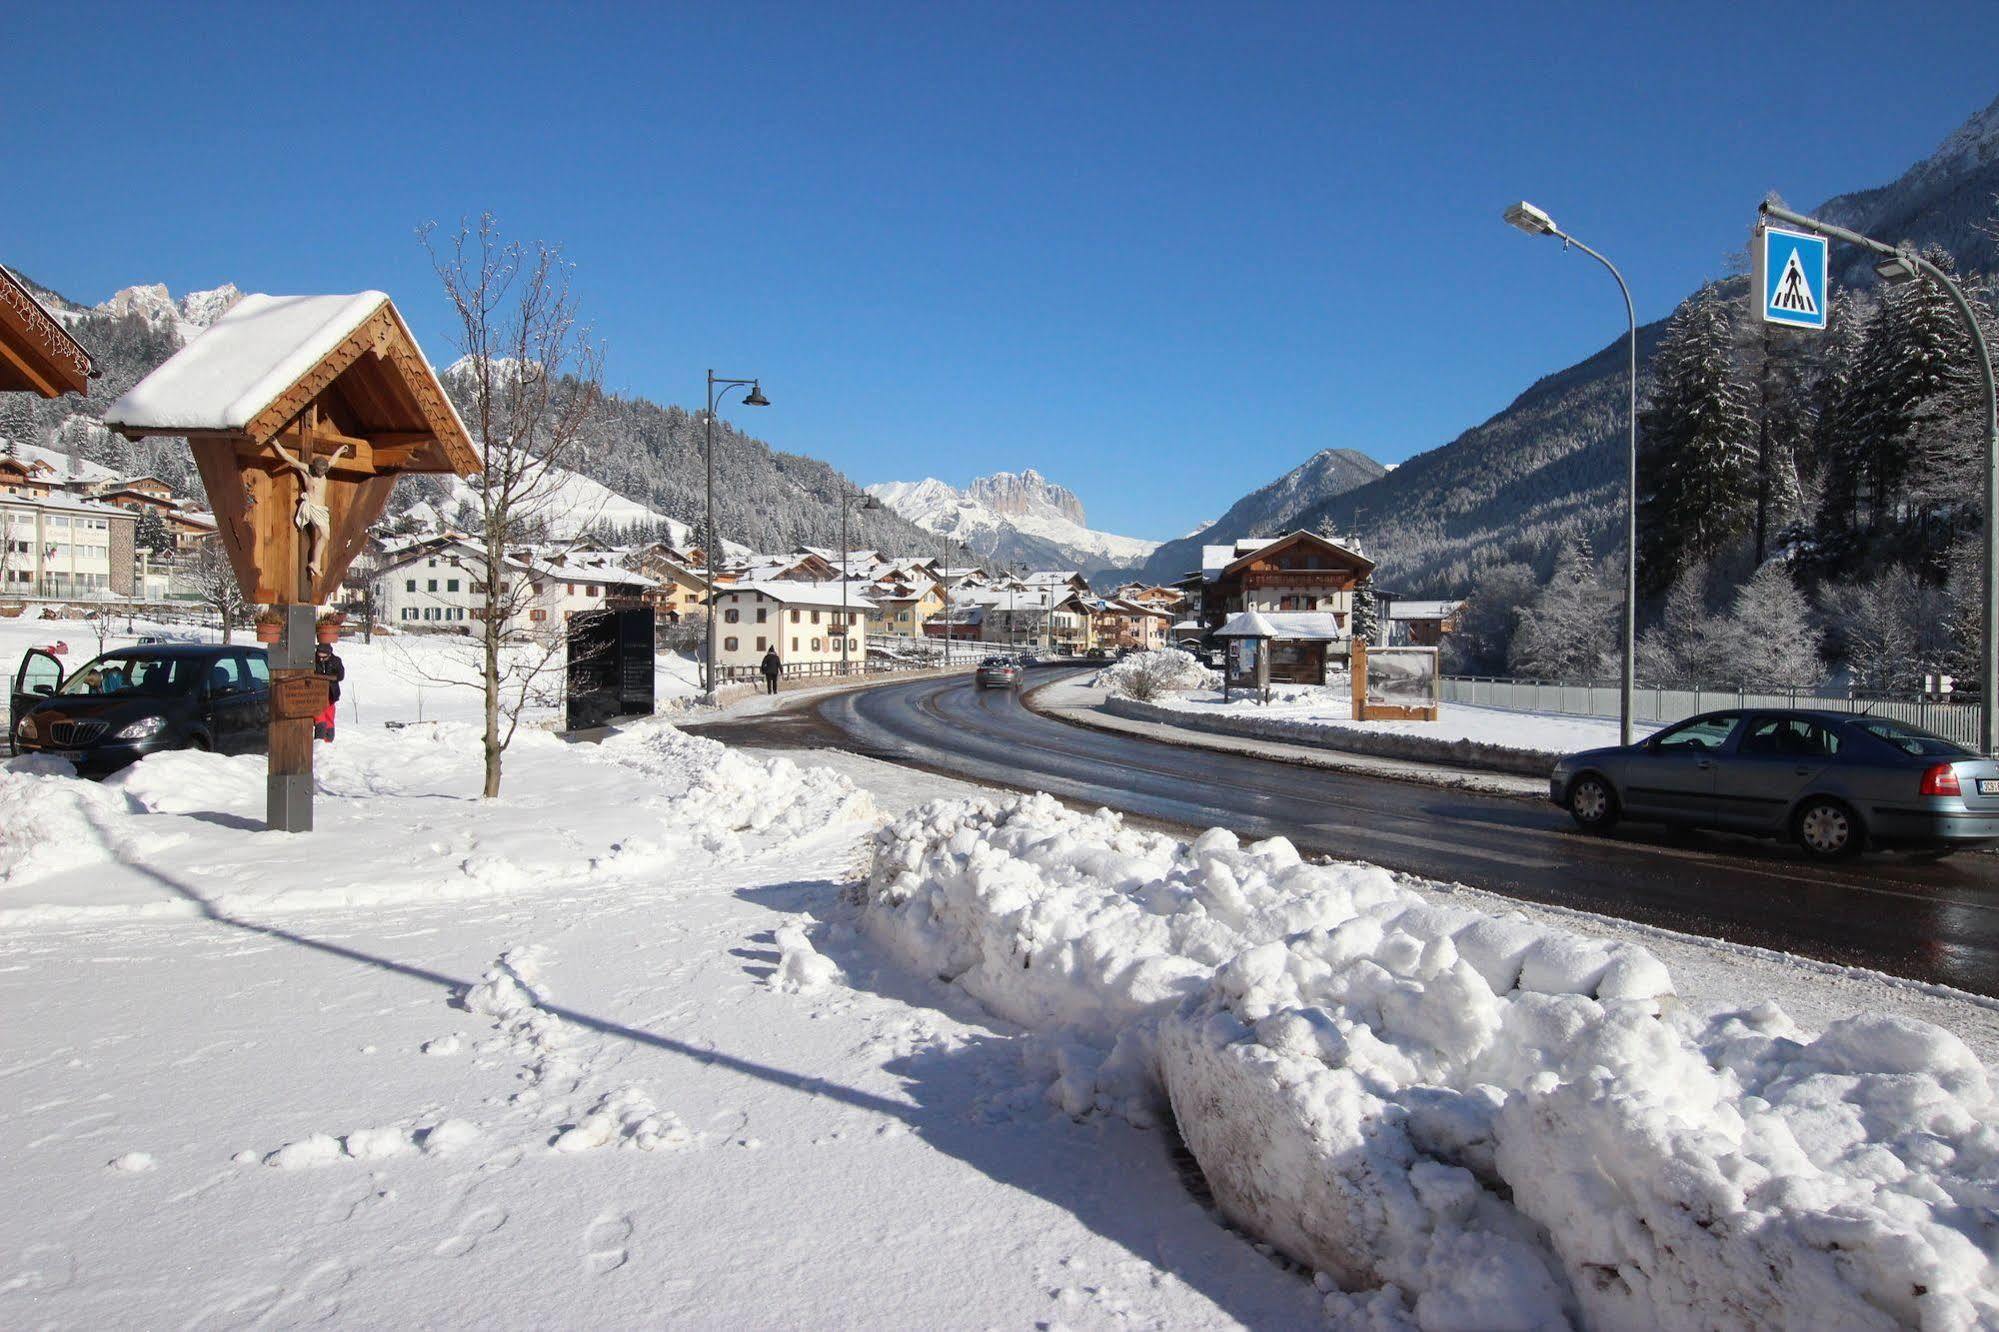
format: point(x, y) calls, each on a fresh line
point(205, 571)
point(529, 377)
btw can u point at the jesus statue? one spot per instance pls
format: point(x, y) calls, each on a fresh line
point(312, 516)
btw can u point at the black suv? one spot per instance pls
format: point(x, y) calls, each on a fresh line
point(118, 708)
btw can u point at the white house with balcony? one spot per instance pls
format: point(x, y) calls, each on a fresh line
point(805, 622)
point(57, 545)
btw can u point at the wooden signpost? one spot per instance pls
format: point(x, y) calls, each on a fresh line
point(301, 412)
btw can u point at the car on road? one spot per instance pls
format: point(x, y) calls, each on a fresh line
point(999, 673)
point(1097, 654)
point(1834, 782)
point(119, 707)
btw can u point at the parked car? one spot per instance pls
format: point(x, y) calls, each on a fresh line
point(1097, 654)
point(1835, 782)
point(999, 673)
point(117, 708)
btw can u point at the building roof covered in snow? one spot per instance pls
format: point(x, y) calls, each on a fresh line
point(803, 594)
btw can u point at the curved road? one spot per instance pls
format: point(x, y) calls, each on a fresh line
point(1936, 922)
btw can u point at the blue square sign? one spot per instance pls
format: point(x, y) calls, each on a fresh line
point(1791, 275)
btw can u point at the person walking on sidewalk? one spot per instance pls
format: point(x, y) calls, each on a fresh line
point(324, 662)
point(772, 669)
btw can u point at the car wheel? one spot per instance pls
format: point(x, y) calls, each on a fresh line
point(1592, 804)
point(1827, 830)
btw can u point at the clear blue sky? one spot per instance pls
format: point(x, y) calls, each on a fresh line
point(1160, 252)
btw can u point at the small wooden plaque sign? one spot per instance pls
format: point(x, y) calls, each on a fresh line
point(299, 697)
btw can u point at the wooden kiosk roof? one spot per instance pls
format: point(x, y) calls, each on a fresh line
point(37, 354)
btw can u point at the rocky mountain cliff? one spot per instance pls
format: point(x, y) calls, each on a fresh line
point(1027, 494)
point(1014, 518)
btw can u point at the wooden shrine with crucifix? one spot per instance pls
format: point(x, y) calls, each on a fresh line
point(301, 411)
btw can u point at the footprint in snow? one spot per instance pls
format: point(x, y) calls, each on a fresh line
point(606, 1244)
point(476, 1226)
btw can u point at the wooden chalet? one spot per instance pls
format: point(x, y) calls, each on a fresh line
point(37, 354)
point(1302, 584)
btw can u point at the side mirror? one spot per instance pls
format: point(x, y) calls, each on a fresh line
point(45, 690)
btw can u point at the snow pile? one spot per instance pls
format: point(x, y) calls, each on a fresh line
point(719, 794)
point(1150, 675)
point(1465, 1120)
point(189, 781)
point(801, 968)
point(51, 822)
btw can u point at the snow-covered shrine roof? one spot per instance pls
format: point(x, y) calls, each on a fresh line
point(256, 368)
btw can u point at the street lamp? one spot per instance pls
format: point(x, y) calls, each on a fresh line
point(1537, 223)
point(866, 503)
point(754, 398)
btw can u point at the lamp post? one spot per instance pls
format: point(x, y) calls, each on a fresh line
point(1898, 265)
point(754, 398)
point(944, 585)
point(1537, 223)
point(866, 503)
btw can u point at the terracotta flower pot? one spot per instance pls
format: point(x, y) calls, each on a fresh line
point(328, 633)
point(270, 631)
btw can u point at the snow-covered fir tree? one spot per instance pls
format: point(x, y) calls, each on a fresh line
point(1697, 437)
point(1366, 615)
point(1568, 632)
point(1771, 640)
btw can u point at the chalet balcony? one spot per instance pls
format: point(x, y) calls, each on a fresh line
point(1334, 580)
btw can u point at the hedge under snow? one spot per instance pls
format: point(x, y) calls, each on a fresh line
point(1463, 1120)
point(1150, 675)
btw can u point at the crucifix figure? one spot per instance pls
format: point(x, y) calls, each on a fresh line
point(312, 517)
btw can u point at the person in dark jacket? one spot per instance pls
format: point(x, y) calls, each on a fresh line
point(324, 662)
point(772, 668)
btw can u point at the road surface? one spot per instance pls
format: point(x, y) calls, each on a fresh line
point(1932, 922)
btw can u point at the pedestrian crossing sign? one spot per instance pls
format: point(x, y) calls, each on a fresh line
point(1791, 275)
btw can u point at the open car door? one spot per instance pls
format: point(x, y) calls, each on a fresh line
point(39, 676)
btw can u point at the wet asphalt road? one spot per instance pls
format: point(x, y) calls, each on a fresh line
point(1934, 922)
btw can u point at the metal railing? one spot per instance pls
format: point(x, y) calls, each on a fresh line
point(1658, 705)
point(830, 670)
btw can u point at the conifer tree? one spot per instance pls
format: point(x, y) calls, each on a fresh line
point(1697, 458)
point(1568, 631)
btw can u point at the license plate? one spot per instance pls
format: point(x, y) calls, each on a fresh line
point(1988, 786)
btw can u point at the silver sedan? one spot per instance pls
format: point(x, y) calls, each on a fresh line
point(1834, 782)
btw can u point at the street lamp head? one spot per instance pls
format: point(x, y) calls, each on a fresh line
point(1896, 270)
point(755, 397)
point(1530, 219)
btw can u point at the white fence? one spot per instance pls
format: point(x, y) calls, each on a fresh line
point(1654, 706)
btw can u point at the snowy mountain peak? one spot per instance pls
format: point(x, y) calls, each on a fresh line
point(1013, 516)
point(1026, 493)
point(187, 317)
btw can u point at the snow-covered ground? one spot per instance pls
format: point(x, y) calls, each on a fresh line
point(672, 1033)
point(1331, 707)
point(600, 1054)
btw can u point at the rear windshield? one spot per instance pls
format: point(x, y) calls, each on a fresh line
point(135, 674)
point(1911, 739)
